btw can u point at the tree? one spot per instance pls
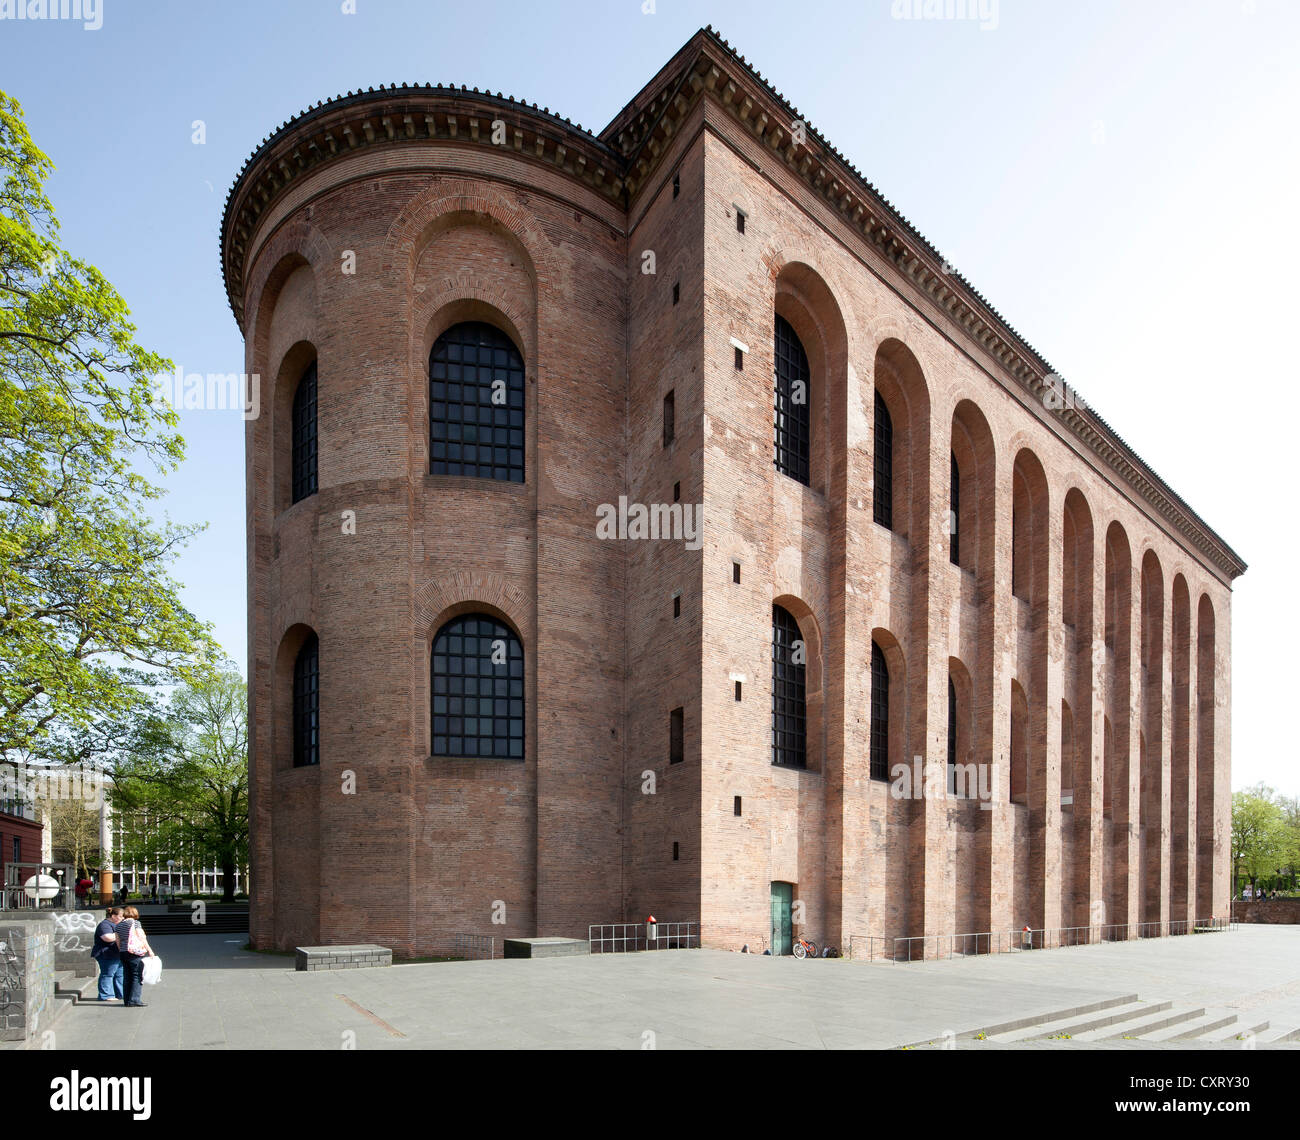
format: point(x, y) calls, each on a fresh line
point(74, 831)
point(86, 604)
point(185, 774)
point(1259, 833)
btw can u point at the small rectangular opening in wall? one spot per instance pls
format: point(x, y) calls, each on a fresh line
point(677, 492)
point(675, 753)
point(676, 850)
point(677, 291)
point(735, 572)
point(670, 419)
point(677, 184)
point(741, 348)
point(738, 684)
point(677, 605)
point(735, 805)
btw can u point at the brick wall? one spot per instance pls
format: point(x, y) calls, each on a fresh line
point(1074, 609)
point(1284, 911)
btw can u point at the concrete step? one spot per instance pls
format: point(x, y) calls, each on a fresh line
point(1072, 1026)
point(1191, 1030)
point(85, 988)
point(1231, 1032)
point(1002, 1029)
point(72, 989)
point(1278, 1035)
point(217, 923)
point(1137, 1028)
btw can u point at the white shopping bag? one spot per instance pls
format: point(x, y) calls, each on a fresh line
point(152, 971)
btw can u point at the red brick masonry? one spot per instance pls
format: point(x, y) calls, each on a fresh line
point(1085, 629)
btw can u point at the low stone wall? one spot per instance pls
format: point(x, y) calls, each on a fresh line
point(26, 978)
point(72, 934)
point(1266, 910)
point(314, 958)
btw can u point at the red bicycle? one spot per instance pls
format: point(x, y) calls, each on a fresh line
point(804, 949)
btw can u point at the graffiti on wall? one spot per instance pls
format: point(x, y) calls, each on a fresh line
point(74, 931)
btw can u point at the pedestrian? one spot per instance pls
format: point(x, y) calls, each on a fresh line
point(105, 954)
point(134, 948)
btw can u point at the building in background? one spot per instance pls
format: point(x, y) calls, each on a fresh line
point(941, 654)
point(20, 835)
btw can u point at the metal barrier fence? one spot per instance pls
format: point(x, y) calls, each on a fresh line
point(628, 937)
point(53, 887)
point(476, 946)
point(921, 947)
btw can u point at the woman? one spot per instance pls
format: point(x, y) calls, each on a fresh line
point(133, 948)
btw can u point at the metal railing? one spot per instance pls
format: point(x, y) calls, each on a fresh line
point(476, 946)
point(922, 947)
point(14, 896)
point(629, 937)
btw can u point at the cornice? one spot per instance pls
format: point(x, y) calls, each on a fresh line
point(708, 67)
point(619, 163)
point(394, 116)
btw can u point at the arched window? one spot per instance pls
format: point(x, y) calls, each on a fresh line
point(478, 689)
point(306, 704)
point(954, 509)
point(304, 435)
point(790, 416)
point(789, 705)
point(952, 738)
point(883, 498)
point(476, 404)
point(879, 714)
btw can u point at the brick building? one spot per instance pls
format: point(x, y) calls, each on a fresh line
point(477, 326)
point(20, 841)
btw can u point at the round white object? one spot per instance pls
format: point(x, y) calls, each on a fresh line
point(41, 887)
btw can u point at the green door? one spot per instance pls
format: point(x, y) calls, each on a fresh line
point(782, 927)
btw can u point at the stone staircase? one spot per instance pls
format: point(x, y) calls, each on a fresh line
point(1126, 1018)
point(179, 920)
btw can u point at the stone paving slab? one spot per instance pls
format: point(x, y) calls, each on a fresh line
point(215, 995)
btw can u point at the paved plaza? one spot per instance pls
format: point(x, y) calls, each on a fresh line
point(215, 995)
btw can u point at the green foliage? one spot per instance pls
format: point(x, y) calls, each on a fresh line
point(183, 777)
point(84, 589)
point(1265, 835)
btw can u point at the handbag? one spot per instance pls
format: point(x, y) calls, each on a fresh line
point(152, 974)
point(135, 940)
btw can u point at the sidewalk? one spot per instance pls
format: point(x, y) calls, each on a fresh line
point(215, 995)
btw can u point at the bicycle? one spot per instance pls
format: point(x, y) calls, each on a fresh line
point(803, 948)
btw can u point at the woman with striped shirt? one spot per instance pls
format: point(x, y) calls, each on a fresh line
point(134, 948)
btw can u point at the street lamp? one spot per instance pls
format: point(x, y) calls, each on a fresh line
point(171, 891)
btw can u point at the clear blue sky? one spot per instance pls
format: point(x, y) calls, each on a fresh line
point(1118, 178)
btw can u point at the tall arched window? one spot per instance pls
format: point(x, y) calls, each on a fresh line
point(879, 714)
point(790, 415)
point(883, 497)
point(476, 404)
point(789, 692)
point(954, 509)
point(952, 738)
point(304, 435)
point(306, 704)
point(478, 689)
